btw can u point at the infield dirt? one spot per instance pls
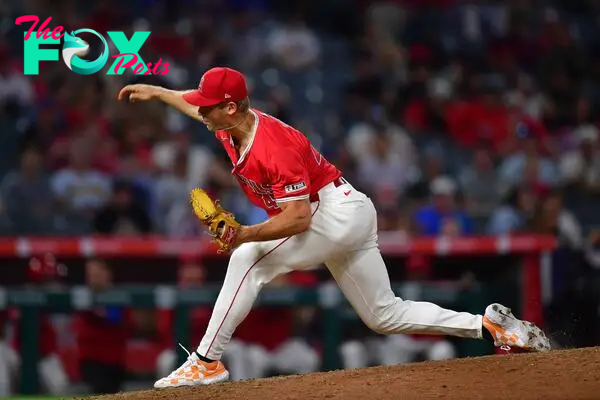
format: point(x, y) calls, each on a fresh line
point(561, 374)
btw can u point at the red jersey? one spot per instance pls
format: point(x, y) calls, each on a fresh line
point(101, 340)
point(48, 344)
point(279, 164)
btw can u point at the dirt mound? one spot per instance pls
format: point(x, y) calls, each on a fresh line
point(564, 374)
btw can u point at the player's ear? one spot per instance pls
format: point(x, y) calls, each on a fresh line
point(231, 108)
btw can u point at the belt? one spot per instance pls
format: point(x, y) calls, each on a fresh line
point(336, 182)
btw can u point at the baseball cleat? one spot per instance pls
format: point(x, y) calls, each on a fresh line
point(508, 331)
point(194, 372)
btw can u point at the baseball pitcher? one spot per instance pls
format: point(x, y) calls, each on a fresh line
point(315, 216)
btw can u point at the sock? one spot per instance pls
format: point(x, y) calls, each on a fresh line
point(486, 334)
point(202, 358)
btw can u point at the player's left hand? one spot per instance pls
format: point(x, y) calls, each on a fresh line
point(220, 223)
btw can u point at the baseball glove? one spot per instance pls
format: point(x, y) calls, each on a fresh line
point(220, 223)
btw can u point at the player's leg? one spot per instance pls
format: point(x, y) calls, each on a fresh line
point(251, 266)
point(362, 275)
point(363, 278)
point(248, 271)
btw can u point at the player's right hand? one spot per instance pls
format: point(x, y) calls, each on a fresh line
point(138, 92)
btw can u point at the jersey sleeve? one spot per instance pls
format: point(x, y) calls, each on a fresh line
point(290, 176)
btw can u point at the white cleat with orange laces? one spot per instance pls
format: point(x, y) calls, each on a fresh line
point(194, 372)
point(508, 331)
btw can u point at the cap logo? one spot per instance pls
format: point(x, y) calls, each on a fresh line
point(201, 83)
point(227, 96)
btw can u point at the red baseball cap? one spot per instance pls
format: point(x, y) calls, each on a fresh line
point(216, 86)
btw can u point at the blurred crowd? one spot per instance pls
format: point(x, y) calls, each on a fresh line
point(456, 117)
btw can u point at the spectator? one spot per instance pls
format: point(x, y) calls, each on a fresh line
point(27, 195)
point(362, 135)
point(516, 213)
point(123, 215)
point(432, 167)
point(527, 162)
point(293, 45)
point(553, 219)
point(46, 124)
point(362, 91)
point(522, 124)
point(172, 192)
point(79, 188)
point(200, 160)
point(482, 120)
point(381, 173)
point(442, 217)
point(394, 220)
point(101, 335)
point(16, 90)
point(480, 184)
point(581, 167)
point(424, 115)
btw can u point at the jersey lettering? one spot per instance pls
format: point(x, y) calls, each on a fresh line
point(265, 192)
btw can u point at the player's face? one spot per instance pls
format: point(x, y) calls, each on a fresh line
point(216, 117)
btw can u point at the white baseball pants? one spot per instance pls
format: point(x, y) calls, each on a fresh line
point(343, 235)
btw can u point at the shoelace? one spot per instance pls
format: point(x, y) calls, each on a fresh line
point(186, 350)
point(187, 364)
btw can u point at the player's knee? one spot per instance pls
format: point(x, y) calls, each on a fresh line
point(381, 329)
point(387, 317)
point(380, 325)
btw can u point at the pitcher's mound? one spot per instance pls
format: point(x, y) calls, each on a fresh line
point(562, 374)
